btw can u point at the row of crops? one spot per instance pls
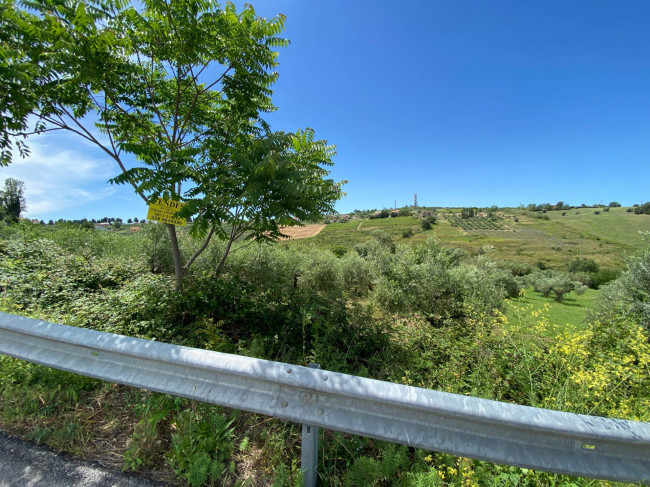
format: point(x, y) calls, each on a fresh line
point(475, 223)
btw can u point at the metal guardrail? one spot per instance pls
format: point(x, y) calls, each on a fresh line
point(498, 432)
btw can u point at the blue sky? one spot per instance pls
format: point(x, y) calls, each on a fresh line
point(464, 103)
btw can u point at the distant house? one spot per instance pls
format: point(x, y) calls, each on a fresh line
point(135, 229)
point(394, 212)
point(343, 218)
point(425, 213)
point(101, 226)
point(482, 214)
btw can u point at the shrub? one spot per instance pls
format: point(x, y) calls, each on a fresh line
point(431, 280)
point(643, 209)
point(628, 297)
point(407, 233)
point(426, 225)
point(516, 268)
point(596, 212)
point(339, 250)
point(583, 265)
point(604, 276)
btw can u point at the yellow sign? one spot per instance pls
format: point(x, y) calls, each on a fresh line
point(164, 210)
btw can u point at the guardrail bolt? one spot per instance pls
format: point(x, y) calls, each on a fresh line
point(284, 404)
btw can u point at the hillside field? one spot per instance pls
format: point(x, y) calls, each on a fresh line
point(606, 237)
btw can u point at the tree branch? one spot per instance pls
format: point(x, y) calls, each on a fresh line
point(200, 251)
point(92, 138)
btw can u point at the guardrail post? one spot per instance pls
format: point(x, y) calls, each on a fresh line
point(309, 450)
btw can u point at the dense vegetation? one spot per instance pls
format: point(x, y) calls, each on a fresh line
point(548, 239)
point(425, 315)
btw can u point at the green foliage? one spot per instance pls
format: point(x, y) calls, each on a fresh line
point(181, 86)
point(202, 446)
point(583, 265)
point(628, 297)
point(12, 199)
point(431, 280)
point(516, 268)
point(339, 250)
point(369, 471)
point(548, 281)
point(426, 225)
point(158, 248)
point(643, 209)
point(422, 315)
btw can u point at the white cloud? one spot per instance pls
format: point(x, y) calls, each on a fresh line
point(61, 174)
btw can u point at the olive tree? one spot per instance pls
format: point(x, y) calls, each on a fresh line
point(173, 91)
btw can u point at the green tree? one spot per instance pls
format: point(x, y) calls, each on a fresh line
point(12, 199)
point(628, 297)
point(182, 86)
point(583, 265)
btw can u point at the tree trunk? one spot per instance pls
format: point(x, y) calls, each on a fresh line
point(223, 259)
point(176, 252)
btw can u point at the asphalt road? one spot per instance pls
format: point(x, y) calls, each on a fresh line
point(23, 464)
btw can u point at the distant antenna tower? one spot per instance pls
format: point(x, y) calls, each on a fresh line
point(415, 200)
point(395, 204)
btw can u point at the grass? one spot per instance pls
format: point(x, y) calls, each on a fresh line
point(568, 314)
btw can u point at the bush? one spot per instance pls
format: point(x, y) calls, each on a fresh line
point(339, 250)
point(516, 268)
point(604, 276)
point(426, 225)
point(431, 280)
point(628, 297)
point(583, 265)
point(643, 209)
point(407, 233)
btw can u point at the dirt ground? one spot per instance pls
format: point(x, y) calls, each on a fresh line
point(303, 232)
